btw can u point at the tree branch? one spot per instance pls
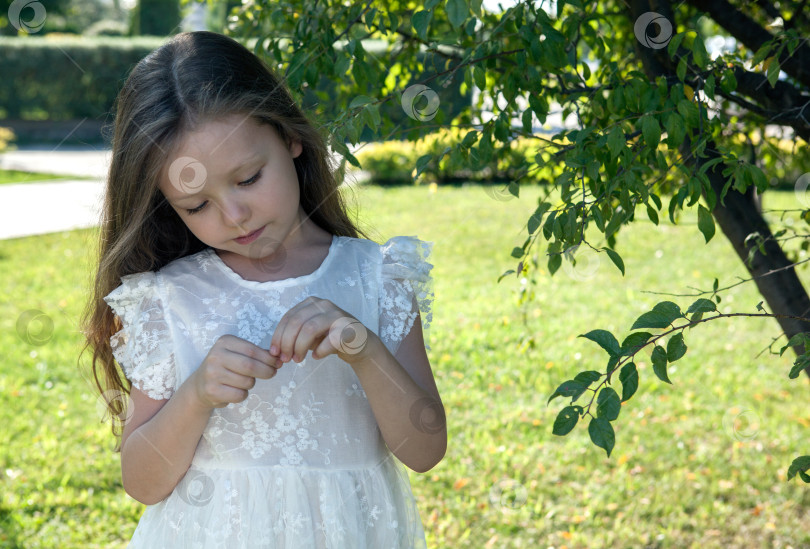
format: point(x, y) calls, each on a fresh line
point(750, 33)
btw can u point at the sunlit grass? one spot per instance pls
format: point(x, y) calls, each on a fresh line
point(16, 176)
point(700, 463)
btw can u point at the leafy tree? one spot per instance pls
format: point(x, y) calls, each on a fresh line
point(660, 127)
point(156, 17)
point(33, 17)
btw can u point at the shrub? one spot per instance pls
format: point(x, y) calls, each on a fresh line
point(395, 161)
point(6, 137)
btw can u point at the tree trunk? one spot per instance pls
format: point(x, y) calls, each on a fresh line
point(737, 215)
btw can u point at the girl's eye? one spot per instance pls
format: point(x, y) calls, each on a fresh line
point(197, 209)
point(252, 180)
point(245, 183)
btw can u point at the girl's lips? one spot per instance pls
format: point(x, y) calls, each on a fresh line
point(247, 239)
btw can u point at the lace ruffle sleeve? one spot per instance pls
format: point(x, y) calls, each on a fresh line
point(143, 347)
point(406, 289)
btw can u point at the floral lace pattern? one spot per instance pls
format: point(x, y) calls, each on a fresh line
point(301, 462)
point(406, 275)
point(141, 345)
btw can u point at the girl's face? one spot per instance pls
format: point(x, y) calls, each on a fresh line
point(233, 177)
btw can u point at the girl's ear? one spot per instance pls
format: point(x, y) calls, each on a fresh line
point(296, 148)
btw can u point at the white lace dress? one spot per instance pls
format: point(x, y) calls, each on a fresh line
point(301, 463)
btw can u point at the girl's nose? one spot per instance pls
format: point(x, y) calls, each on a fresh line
point(235, 212)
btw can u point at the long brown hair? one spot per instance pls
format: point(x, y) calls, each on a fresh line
point(193, 78)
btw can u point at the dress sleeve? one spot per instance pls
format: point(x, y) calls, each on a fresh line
point(406, 289)
point(143, 347)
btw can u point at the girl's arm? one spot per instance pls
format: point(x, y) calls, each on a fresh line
point(404, 398)
point(159, 440)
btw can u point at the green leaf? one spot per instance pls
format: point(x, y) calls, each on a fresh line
point(602, 434)
point(689, 111)
point(360, 100)
point(587, 377)
point(801, 363)
point(761, 54)
point(798, 339)
point(680, 71)
point(676, 348)
point(420, 21)
point(652, 214)
point(702, 305)
point(554, 263)
point(672, 47)
point(650, 130)
point(773, 72)
point(661, 316)
point(605, 339)
point(566, 420)
point(506, 273)
point(799, 465)
point(536, 218)
point(629, 378)
point(675, 130)
point(659, 361)
point(616, 141)
point(616, 259)
point(699, 53)
point(422, 163)
point(633, 342)
point(705, 222)
point(570, 388)
point(343, 150)
point(608, 404)
point(728, 82)
point(480, 77)
point(457, 11)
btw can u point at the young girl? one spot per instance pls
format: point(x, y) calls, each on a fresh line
point(274, 360)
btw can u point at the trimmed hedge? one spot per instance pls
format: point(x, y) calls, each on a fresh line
point(63, 78)
point(394, 162)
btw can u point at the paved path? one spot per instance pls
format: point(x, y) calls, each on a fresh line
point(51, 206)
point(38, 208)
point(45, 207)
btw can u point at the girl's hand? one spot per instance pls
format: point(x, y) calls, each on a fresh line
point(230, 370)
point(321, 326)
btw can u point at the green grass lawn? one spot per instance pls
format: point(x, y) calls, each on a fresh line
point(700, 463)
point(16, 176)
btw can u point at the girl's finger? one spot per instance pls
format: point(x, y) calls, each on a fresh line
point(237, 345)
point(301, 331)
point(244, 365)
point(309, 338)
point(237, 381)
point(307, 311)
point(278, 335)
point(324, 349)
